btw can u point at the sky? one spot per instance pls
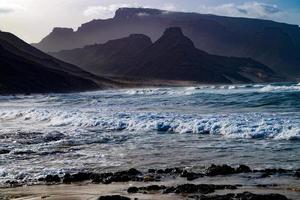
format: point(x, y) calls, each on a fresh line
point(31, 20)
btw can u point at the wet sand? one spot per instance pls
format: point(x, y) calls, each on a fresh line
point(286, 186)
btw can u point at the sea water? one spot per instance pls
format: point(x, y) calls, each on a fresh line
point(255, 124)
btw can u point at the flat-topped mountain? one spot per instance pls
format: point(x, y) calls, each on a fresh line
point(24, 69)
point(172, 57)
point(276, 45)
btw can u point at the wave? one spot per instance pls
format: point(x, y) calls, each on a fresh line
point(274, 88)
point(247, 125)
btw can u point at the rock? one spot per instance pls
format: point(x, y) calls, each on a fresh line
point(215, 170)
point(149, 178)
point(265, 175)
point(241, 196)
point(274, 171)
point(133, 172)
point(191, 188)
point(190, 176)
point(175, 170)
point(243, 169)
point(201, 188)
point(113, 197)
point(147, 189)
point(297, 174)
point(53, 136)
point(4, 151)
point(106, 178)
point(124, 176)
point(11, 183)
point(101, 178)
point(52, 179)
point(79, 177)
point(133, 190)
point(152, 171)
point(154, 187)
point(41, 179)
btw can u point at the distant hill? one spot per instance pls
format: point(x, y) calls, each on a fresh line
point(24, 69)
point(172, 57)
point(276, 45)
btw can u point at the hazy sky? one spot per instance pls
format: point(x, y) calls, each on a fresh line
point(31, 20)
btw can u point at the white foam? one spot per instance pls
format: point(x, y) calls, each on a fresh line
point(272, 88)
point(251, 125)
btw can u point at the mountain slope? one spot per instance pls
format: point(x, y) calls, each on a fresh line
point(172, 57)
point(24, 69)
point(277, 45)
point(113, 53)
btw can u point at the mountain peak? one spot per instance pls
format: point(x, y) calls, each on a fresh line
point(175, 36)
point(174, 31)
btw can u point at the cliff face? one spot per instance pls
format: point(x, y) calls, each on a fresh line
point(24, 69)
point(172, 57)
point(277, 45)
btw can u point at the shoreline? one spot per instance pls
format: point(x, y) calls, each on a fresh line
point(146, 85)
point(170, 183)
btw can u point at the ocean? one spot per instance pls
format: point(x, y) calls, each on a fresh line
point(253, 124)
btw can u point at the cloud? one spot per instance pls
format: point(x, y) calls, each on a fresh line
point(248, 9)
point(105, 11)
point(5, 10)
point(10, 8)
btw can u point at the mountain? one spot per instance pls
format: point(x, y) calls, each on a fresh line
point(276, 45)
point(24, 69)
point(100, 58)
point(172, 57)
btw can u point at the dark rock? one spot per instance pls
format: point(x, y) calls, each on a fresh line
point(243, 169)
point(275, 171)
point(52, 179)
point(79, 177)
point(133, 172)
point(160, 171)
point(150, 178)
point(146, 189)
point(201, 188)
point(155, 187)
point(41, 179)
point(101, 178)
point(266, 185)
point(265, 175)
point(242, 196)
point(133, 190)
point(175, 170)
point(297, 174)
point(191, 188)
point(106, 178)
point(113, 197)
point(4, 151)
point(215, 170)
point(152, 171)
point(54, 136)
point(190, 176)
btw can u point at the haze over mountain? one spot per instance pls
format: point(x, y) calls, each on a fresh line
point(24, 69)
point(277, 45)
point(172, 57)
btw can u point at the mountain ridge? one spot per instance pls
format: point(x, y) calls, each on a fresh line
point(172, 57)
point(25, 69)
point(218, 35)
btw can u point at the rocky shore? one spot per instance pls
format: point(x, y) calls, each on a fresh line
point(181, 183)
